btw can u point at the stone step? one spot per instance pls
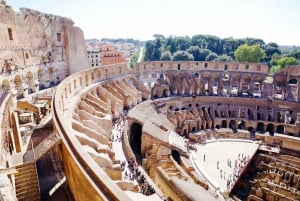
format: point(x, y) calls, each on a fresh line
point(29, 196)
point(29, 184)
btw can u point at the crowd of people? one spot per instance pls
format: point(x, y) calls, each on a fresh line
point(118, 127)
point(130, 169)
point(132, 173)
point(239, 165)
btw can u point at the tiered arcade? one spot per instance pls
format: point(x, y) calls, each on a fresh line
point(185, 104)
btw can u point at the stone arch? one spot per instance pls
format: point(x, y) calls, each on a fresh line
point(232, 125)
point(280, 129)
point(242, 125)
point(135, 140)
point(224, 124)
point(5, 84)
point(52, 75)
point(154, 91)
point(260, 127)
point(270, 129)
point(250, 129)
point(41, 79)
point(166, 92)
point(245, 85)
point(19, 85)
point(131, 81)
point(293, 81)
point(30, 81)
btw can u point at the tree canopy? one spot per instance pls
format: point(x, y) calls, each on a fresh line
point(249, 53)
point(212, 48)
point(183, 56)
point(166, 56)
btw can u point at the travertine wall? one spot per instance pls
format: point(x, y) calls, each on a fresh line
point(152, 131)
point(37, 50)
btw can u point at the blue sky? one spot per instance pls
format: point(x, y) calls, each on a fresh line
point(271, 20)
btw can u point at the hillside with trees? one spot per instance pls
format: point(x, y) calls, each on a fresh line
point(212, 48)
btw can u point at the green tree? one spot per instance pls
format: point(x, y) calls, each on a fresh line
point(274, 69)
point(134, 59)
point(182, 43)
point(295, 53)
point(157, 51)
point(196, 52)
point(285, 61)
point(272, 48)
point(223, 57)
point(182, 56)
point(274, 59)
point(149, 47)
point(166, 56)
point(246, 53)
point(211, 56)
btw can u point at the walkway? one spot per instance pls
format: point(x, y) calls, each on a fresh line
point(222, 161)
point(118, 129)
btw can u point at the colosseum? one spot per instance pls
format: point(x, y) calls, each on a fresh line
point(176, 130)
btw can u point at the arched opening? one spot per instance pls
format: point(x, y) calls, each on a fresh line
point(233, 126)
point(30, 81)
point(252, 132)
point(241, 125)
point(19, 86)
point(185, 133)
point(166, 93)
point(5, 85)
point(154, 93)
point(280, 129)
point(250, 114)
point(224, 124)
point(250, 129)
point(135, 141)
point(175, 154)
point(52, 75)
point(260, 128)
point(216, 114)
point(41, 78)
point(270, 129)
point(258, 116)
point(270, 117)
point(293, 81)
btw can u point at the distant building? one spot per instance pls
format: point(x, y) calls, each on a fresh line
point(104, 55)
point(94, 58)
point(110, 56)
